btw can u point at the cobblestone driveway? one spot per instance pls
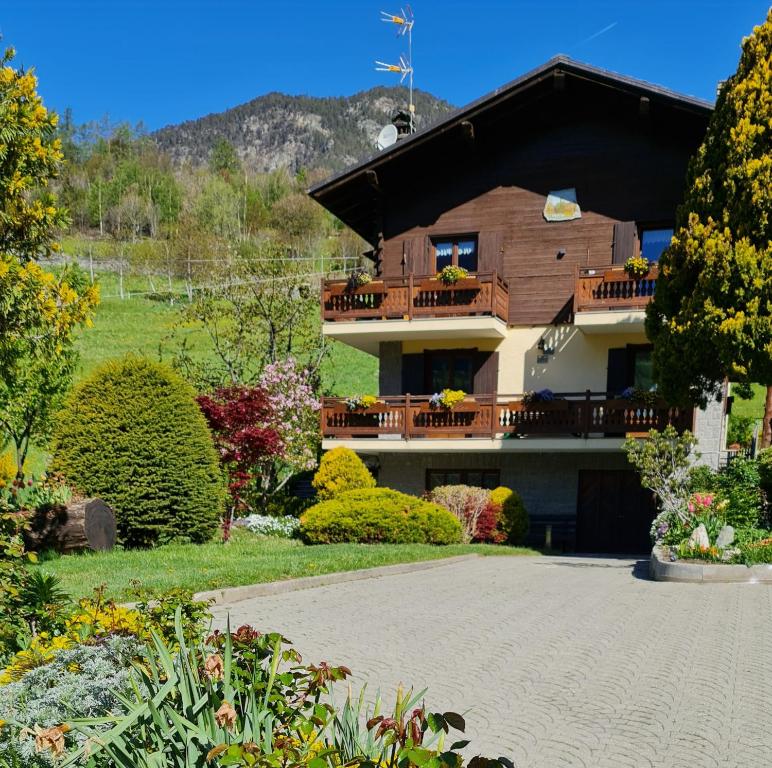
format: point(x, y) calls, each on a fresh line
point(561, 662)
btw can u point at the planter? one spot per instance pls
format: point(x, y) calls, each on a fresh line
point(374, 286)
point(661, 569)
point(465, 284)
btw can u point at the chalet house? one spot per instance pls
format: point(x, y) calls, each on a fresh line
point(541, 190)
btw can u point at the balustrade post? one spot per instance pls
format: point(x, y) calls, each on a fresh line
point(494, 410)
point(410, 296)
point(407, 414)
point(494, 292)
point(587, 410)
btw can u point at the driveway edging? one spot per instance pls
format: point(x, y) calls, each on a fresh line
point(661, 569)
point(236, 594)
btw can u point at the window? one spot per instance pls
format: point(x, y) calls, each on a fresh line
point(451, 369)
point(643, 377)
point(480, 478)
point(461, 251)
point(654, 241)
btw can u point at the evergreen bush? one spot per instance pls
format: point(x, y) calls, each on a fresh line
point(377, 516)
point(513, 521)
point(133, 435)
point(341, 470)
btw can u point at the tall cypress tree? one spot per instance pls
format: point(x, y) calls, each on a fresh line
point(711, 317)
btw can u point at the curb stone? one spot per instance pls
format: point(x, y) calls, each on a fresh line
point(236, 594)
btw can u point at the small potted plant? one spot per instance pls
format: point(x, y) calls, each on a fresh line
point(451, 274)
point(361, 402)
point(357, 279)
point(539, 396)
point(447, 400)
point(637, 267)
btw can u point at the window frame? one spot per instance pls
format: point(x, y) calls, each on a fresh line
point(452, 354)
point(463, 474)
point(454, 240)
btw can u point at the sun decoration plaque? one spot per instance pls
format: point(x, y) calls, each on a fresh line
point(561, 205)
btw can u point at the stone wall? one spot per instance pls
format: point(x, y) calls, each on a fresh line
point(710, 430)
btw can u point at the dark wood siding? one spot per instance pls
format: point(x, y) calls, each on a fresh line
point(625, 169)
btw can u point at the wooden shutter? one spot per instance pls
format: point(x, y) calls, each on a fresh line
point(617, 374)
point(413, 374)
point(486, 377)
point(490, 252)
point(625, 235)
point(419, 256)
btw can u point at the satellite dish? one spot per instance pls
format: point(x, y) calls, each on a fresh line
point(387, 136)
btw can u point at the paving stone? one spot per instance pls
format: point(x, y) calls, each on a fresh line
point(560, 661)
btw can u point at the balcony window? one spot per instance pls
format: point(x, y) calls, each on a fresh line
point(461, 251)
point(450, 370)
point(653, 242)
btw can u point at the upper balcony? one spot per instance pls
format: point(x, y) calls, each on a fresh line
point(415, 306)
point(608, 300)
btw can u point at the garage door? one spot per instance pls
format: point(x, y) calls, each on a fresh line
point(613, 513)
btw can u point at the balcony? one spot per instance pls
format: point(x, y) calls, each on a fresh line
point(415, 307)
point(587, 416)
point(607, 299)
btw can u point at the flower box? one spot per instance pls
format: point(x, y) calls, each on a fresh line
point(374, 286)
point(465, 284)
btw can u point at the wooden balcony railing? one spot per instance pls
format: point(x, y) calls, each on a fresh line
point(409, 296)
point(599, 288)
point(587, 414)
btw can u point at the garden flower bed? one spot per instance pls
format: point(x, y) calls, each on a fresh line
point(662, 568)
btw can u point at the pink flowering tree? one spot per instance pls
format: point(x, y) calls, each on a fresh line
point(294, 416)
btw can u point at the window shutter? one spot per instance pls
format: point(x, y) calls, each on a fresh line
point(418, 256)
point(625, 235)
point(490, 255)
point(486, 377)
point(413, 374)
point(616, 376)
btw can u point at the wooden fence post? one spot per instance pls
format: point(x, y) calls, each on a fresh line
point(587, 410)
point(407, 416)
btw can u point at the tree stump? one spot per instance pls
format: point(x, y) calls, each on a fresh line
point(82, 524)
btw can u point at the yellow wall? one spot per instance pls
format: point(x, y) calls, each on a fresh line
point(579, 361)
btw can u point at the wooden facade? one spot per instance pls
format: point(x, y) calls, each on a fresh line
point(486, 172)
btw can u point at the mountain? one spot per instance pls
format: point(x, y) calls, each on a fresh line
point(277, 130)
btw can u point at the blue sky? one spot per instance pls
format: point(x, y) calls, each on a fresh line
point(163, 61)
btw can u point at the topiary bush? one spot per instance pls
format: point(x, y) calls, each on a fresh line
point(513, 522)
point(377, 516)
point(133, 435)
point(341, 470)
point(470, 505)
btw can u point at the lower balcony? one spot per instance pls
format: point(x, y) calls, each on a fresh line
point(585, 417)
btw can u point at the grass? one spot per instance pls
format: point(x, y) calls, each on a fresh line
point(247, 559)
point(143, 326)
point(753, 407)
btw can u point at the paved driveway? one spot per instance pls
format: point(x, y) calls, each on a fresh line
point(560, 662)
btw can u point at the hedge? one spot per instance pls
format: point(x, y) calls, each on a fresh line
point(340, 470)
point(133, 435)
point(378, 515)
point(513, 521)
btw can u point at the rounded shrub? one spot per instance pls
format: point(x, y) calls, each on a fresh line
point(340, 470)
point(377, 516)
point(513, 521)
point(133, 435)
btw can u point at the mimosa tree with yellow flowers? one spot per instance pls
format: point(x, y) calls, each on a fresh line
point(711, 317)
point(39, 311)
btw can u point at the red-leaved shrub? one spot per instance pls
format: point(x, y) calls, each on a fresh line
point(487, 530)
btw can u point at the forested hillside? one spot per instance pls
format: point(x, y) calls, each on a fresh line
point(296, 132)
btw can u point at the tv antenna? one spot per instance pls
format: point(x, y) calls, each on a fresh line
point(404, 22)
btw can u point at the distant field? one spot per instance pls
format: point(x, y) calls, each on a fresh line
point(754, 407)
point(141, 325)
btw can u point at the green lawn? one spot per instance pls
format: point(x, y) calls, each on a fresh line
point(753, 407)
point(247, 559)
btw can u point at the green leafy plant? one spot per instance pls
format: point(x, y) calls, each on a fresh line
point(662, 460)
point(739, 484)
point(340, 470)
point(133, 435)
point(514, 520)
point(378, 515)
point(451, 274)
